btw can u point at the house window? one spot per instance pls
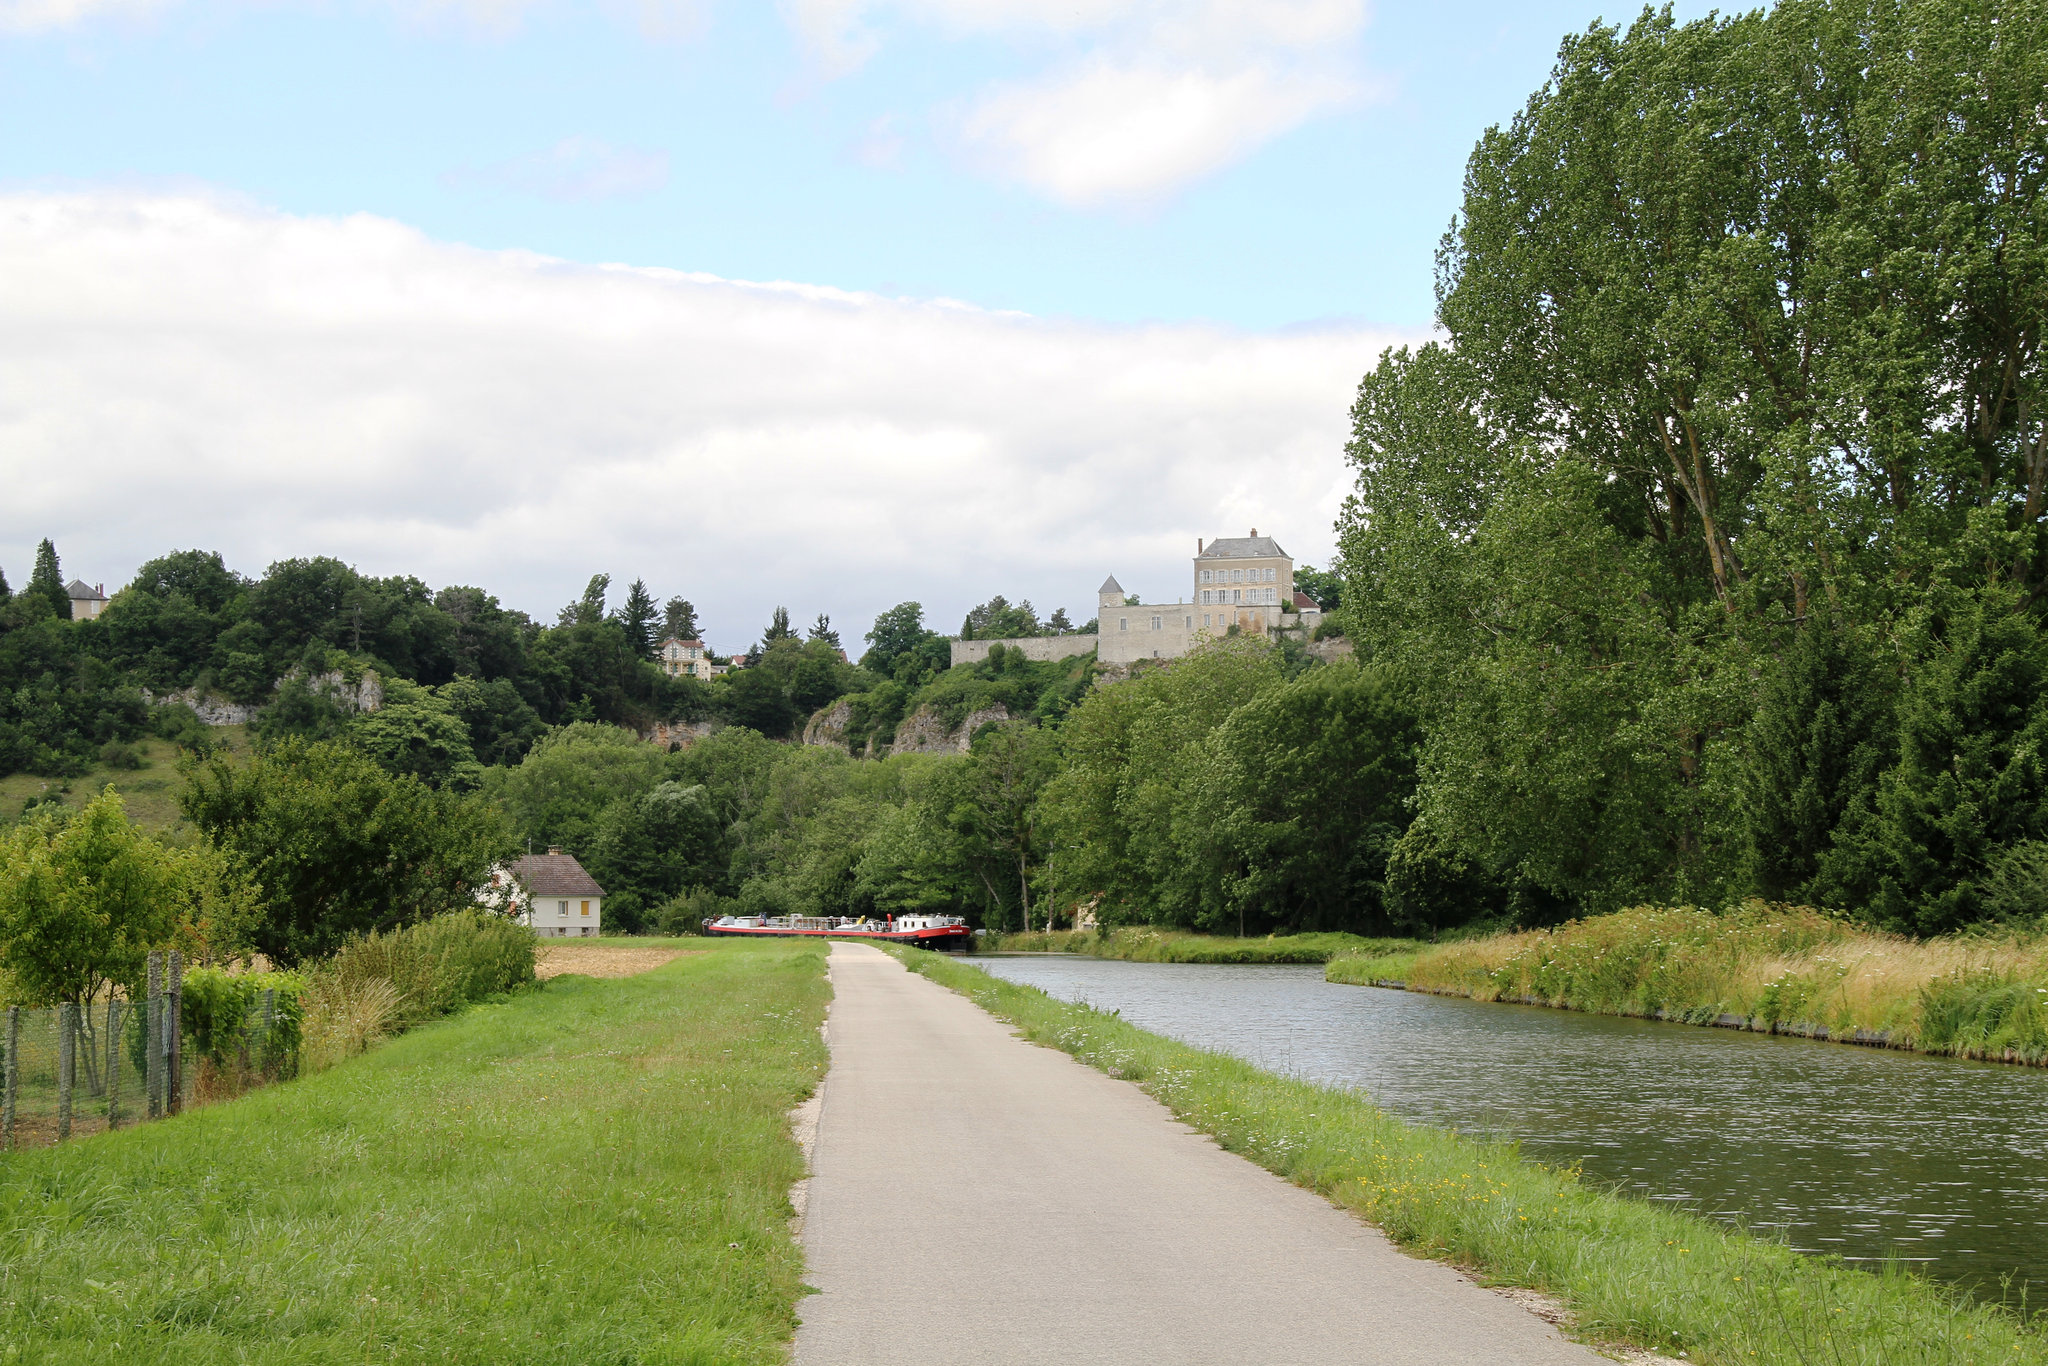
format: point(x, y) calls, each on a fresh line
point(1156, 623)
point(586, 908)
point(562, 906)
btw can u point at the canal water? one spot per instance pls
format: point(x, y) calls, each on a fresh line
point(1854, 1151)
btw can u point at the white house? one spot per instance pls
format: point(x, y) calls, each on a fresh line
point(550, 892)
point(88, 600)
point(678, 656)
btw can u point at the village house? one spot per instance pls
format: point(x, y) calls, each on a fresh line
point(549, 892)
point(88, 600)
point(678, 657)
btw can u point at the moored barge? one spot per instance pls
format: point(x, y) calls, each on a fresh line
point(925, 931)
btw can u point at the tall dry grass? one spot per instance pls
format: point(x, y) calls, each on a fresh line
point(1980, 995)
point(344, 1017)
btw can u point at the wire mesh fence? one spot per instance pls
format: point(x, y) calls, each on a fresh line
point(85, 1067)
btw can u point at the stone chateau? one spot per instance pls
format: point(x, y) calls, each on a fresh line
point(1243, 581)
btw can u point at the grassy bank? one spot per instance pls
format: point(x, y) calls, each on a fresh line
point(1142, 944)
point(1773, 966)
point(1630, 1271)
point(593, 1172)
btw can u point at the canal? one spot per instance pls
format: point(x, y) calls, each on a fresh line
point(1859, 1152)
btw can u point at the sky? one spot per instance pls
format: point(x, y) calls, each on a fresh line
point(827, 304)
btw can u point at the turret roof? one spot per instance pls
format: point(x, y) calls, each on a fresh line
point(1110, 585)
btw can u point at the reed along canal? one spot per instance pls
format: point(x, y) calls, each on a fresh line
point(1860, 1152)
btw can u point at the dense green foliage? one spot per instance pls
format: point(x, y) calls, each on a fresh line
point(1633, 1271)
point(85, 897)
point(1712, 542)
point(338, 846)
point(437, 966)
point(596, 1172)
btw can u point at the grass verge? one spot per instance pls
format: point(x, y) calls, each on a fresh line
point(1786, 968)
point(595, 1172)
point(1629, 1271)
point(1142, 944)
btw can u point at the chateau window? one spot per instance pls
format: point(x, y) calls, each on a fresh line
point(1189, 624)
point(1123, 623)
point(1156, 623)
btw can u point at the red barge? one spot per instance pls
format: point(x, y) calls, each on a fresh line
point(925, 931)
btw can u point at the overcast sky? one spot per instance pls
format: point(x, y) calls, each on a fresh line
point(831, 304)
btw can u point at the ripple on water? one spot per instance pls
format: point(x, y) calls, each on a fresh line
point(1858, 1152)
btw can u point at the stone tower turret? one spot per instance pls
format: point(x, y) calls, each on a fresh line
point(1110, 595)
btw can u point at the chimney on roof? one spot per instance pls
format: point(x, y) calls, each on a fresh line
point(554, 848)
point(1198, 545)
point(1255, 533)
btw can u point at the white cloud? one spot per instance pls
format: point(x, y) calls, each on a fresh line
point(178, 371)
point(1102, 133)
point(35, 16)
point(574, 170)
point(1134, 98)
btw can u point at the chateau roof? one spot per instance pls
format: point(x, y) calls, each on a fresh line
point(555, 875)
point(1243, 548)
point(1110, 585)
point(78, 590)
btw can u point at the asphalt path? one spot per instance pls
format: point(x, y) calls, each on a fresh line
point(978, 1201)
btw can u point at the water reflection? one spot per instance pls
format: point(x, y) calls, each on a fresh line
point(1848, 1150)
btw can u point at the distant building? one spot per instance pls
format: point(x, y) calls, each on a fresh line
point(678, 657)
point(1244, 582)
point(549, 892)
point(88, 600)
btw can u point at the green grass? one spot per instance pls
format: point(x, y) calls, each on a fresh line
point(1146, 945)
point(1629, 1271)
point(1366, 969)
point(594, 1172)
point(149, 793)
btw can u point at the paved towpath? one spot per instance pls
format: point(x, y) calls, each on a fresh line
point(978, 1201)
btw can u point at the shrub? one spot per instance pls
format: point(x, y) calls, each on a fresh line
point(686, 912)
point(437, 966)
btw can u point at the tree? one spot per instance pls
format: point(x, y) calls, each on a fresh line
point(757, 699)
point(997, 619)
point(821, 629)
point(562, 787)
point(1058, 624)
point(48, 581)
point(84, 900)
point(338, 846)
point(5, 591)
point(587, 610)
point(679, 620)
point(1011, 763)
point(417, 733)
point(900, 647)
point(1325, 587)
point(637, 619)
point(778, 628)
point(649, 848)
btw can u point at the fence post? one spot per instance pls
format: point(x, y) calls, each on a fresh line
point(152, 1036)
point(269, 1023)
point(174, 1070)
point(113, 1063)
point(67, 1064)
point(13, 1072)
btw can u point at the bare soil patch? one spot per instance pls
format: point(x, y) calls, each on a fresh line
point(602, 960)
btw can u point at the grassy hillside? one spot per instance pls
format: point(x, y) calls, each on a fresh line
point(597, 1171)
point(150, 792)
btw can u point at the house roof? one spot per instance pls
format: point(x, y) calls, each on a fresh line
point(678, 640)
point(78, 590)
point(1110, 585)
point(1243, 548)
point(555, 875)
point(1302, 599)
